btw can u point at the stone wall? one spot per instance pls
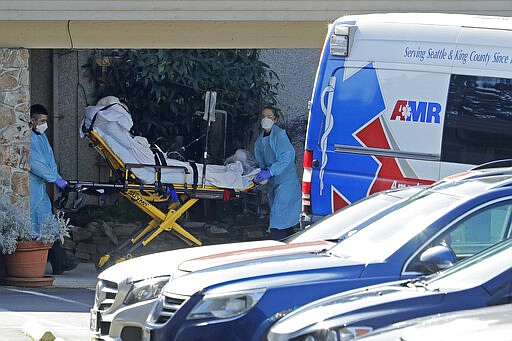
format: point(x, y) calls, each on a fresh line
point(14, 130)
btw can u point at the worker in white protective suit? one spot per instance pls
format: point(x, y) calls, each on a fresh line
point(276, 158)
point(42, 170)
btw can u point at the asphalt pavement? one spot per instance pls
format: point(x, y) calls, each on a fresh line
point(29, 321)
point(83, 276)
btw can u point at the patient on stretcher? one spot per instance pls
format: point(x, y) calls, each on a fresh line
point(111, 120)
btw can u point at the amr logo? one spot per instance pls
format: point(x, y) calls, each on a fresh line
point(426, 112)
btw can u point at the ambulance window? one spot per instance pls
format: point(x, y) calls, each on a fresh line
point(478, 120)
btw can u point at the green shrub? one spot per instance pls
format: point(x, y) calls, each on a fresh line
point(164, 88)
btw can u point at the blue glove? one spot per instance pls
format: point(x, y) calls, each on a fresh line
point(61, 183)
point(174, 196)
point(262, 176)
point(255, 190)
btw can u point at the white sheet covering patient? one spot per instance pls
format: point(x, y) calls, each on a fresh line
point(113, 125)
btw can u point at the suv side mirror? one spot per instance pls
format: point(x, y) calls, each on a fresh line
point(437, 258)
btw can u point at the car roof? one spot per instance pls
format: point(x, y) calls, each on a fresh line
point(474, 182)
point(487, 176)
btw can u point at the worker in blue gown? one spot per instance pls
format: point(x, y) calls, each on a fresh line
point(42, 170)
point(276, 158)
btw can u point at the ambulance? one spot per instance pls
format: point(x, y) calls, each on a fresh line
point(402, 99)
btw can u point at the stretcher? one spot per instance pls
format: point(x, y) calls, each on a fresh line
point(153, 197)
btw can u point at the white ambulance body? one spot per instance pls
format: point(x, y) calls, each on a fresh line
point(405, 99)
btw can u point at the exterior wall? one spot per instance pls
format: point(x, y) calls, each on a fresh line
point(14, 130)
point(230, 10)
point(73, 92)
point(198, 23)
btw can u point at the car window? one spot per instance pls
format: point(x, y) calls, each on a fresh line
point(478, 120)
point(477, 231)
point(385, 236)
point(333, 226)
point(350, 217)
point(481, 230)
point(476, 270)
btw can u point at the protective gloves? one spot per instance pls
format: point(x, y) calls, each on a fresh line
point(174, 196)
point(61, 183)
point(262, 176)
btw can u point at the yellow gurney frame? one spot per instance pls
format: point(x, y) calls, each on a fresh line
point(145, 195)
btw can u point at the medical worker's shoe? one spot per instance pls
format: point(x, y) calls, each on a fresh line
point(57, 271)
point(68, 266)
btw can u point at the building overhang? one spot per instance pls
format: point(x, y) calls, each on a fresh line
point(162, 34)
point(197, 23)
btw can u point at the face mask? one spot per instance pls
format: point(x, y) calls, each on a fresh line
point(41, 128)
point(266, 123)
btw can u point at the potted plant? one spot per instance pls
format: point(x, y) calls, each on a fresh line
point(26, 252)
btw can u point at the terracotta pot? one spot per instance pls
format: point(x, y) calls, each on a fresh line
point(28, 261)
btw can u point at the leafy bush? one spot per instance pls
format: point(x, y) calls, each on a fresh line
point(164, 88)
point(16, 227)
point(13, 226)
point(54, 229)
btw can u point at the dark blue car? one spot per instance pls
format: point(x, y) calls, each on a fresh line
point(480, 281)
point(242, 300)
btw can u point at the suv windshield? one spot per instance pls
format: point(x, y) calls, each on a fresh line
point(335, 226)
point(381, 238)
